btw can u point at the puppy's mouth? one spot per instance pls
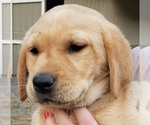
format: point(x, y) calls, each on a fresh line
point(48, 90)
point(56, 102)
point(46, 100)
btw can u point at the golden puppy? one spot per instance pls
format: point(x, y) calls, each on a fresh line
point(74, 57)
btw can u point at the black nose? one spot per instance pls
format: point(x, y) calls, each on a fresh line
point(43, 82)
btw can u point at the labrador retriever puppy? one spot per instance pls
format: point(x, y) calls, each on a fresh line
point(73, 57)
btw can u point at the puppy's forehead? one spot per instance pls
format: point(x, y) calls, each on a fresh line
point(65, 22)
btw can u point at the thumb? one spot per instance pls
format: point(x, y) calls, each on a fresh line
point(84, 117)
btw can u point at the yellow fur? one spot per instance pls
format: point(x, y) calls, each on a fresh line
point(99, 76)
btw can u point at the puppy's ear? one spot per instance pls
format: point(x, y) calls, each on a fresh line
point(119, 56)
point(22, 74)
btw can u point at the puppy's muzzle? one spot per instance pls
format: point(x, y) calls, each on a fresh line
point(43, 82)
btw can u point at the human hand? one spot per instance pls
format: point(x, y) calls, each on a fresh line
point(82, 115)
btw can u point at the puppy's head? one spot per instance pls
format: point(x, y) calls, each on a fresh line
point(71, 57)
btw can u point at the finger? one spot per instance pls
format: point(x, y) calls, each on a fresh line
point(62, 118)
point(49, 118)
point(84, 117)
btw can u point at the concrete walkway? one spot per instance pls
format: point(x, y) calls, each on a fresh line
point(4, 102)
point(12, 111)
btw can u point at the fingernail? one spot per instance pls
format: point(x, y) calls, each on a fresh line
point(47, 114)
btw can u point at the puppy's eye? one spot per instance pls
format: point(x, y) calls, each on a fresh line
point(34, 51)
point(75, 47)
